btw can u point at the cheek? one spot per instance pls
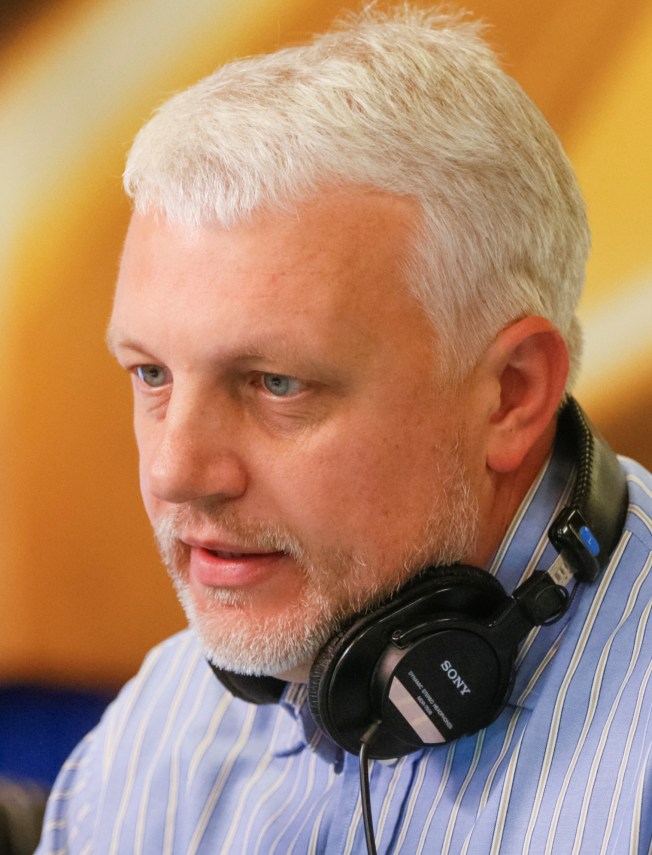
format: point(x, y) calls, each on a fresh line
point(367, 490)
point(148, 444)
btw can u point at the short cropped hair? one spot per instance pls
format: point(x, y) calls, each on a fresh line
point(411, 102)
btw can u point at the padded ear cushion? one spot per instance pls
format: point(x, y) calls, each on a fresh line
point(469, 584)
point(253, 690)
point(458, 573)
point(319, 667)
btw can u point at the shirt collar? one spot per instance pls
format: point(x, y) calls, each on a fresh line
point(298, 730)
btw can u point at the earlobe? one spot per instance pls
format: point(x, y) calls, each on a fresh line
point(528, 362)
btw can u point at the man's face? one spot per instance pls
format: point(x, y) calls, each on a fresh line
point(297, 457)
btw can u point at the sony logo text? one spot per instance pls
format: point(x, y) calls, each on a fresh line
point(455, 678)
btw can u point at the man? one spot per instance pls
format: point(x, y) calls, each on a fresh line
point(347, 303)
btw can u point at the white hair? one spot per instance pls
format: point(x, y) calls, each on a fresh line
point(412, 103)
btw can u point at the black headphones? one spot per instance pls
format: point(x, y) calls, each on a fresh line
point(436, 661)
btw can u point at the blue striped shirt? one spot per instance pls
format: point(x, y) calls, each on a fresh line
point(178, 765)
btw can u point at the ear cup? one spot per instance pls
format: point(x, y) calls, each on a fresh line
point(447, 577)
point(346, 691)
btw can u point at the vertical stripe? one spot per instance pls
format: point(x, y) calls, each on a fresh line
point(299, 815)
point(390, 794)
point(450, 754)
point(355, 823)
point(256, 810)
point(312, 845)
point(175, 774)
point(479, 742)
point(414, 792)
point(214, 795)
point(243, 800)
point(209, 737)
point(300, 784)
point(122, 715)
point(503, 805)
point(308, 816)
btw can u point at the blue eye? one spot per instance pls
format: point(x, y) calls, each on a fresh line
point(281, 385)
point(151, 375)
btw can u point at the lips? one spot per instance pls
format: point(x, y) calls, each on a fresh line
point(221, 547)
point(218, 565)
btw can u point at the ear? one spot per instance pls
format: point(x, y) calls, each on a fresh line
point(528, 365)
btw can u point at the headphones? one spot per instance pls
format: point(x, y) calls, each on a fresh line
point(436, 661)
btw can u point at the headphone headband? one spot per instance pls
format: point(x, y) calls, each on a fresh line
point(586, 532)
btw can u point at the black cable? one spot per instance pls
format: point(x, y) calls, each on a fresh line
point(365, 796)
point(569, 597)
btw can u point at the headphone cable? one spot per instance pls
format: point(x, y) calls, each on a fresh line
point(365, 795)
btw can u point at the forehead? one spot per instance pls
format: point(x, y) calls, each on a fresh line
point(336, 260)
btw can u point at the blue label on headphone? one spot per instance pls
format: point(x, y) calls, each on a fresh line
point(588, 539)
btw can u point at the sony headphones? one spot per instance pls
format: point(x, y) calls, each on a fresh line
point(436, 661)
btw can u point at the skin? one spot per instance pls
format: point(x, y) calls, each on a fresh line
point(285, 380)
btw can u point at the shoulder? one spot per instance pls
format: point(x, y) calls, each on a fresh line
point(624, 593)
point(163, 665)
point(174, 684)
point(639, 512)
point(171, 669)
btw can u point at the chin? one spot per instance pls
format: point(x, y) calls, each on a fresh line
point(234, 638)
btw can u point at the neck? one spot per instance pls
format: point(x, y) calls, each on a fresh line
point(503, 497)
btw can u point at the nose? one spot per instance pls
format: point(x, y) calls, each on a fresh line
point(193, 453)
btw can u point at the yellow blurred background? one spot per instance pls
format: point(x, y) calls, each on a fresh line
point(83, 594)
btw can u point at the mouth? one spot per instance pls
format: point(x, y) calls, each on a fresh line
point(228, 555)
point(227, 548)
point(214, 565)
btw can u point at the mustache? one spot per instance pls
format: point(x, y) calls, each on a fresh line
point(206, 523)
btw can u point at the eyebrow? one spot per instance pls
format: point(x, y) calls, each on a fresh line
point(114, 340)
point(256, 351)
